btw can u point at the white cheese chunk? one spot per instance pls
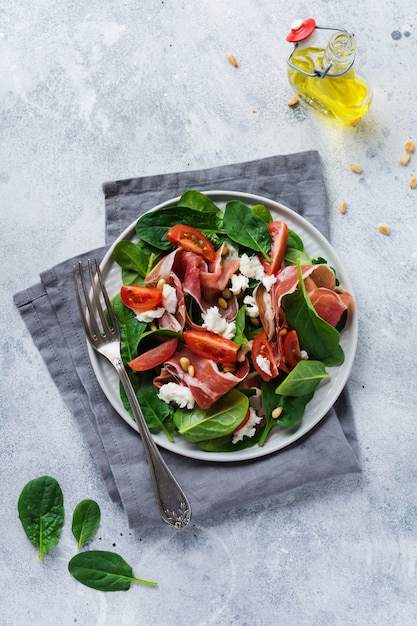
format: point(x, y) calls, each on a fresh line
point(248, 429)
point(152, 314)
point(169, 298)
point(251, 267)
point(214, 322)
point(251, 306)
point(180, 395)
point(264, 364)
point(239, 283)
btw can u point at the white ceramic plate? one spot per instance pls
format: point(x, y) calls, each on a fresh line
point(327, 392)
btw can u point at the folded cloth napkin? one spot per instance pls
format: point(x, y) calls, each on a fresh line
point(50, 312)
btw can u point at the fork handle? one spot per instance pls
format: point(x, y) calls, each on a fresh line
point(173, 503)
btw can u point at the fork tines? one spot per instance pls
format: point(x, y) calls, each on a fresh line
point(94, 303)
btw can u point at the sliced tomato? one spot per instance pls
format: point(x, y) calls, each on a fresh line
point(155, 356)
point(279, 234)
point(211, 346)
point(191, 239)
point(291, 347)
point(262, 348)
point(140, 299)
point(242, 423)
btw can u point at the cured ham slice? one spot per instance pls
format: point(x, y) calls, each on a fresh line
point(330, 305)
point(208, 383)
point(193, 273)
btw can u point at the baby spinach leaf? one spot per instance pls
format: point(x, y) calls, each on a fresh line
point(104, 571)
point(198, 201)
point(85, 521)
point(292, 255)
point(152, 227)
point(243, 226)
point(136, 258)
point(303, 379)
point(131, 330)
point(294, 240)
point(156, 412)
point(41, 511)
point(317, 337)
point(240, 321)
point(263, 212)
point(220, 419)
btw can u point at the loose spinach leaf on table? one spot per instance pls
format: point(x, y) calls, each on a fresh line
point(246, 228)
point(104, 571)
point(220, 419)
point(41, 511)
point(85, 521)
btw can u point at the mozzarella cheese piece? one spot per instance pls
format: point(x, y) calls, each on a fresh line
point(248, 429)
point(213, 321)
point(180, 395)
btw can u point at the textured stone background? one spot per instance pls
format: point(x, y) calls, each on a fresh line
point(98, 91)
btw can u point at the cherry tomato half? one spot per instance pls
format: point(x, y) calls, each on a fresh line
point(261, 348)
point(211, 346)
point(291, 348)
point(140, 299)
point(279, 234)
point(189, 238)
point(155, 356)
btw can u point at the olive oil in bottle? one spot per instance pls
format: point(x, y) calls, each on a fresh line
point(324, 77)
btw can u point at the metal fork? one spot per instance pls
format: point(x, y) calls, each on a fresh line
point(104, 337)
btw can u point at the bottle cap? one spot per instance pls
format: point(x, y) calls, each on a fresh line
point(301, 30)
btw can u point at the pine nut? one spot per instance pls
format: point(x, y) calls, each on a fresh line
point(276, 412)
point(413, 182)
point(228, 369)
point(355, 167)
point(342, 207)
point(222, 303)
point(191, 371)
point(160, 284)
point(232, 60)
point(409, 146)
point(227, 294)
point(255, 321)
point(225, 249)
point(384, 228)
point(292, 102)
point(404, 159)
point(153, 326)
point(185, 363)
point(283, 332)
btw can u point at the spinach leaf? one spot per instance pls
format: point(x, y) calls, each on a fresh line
point(263, 212)
point(155, 411)
point(198, 201)
point(220, 419)
point(292, 255)
point(240, 321)
point(136, 258)
point(243, 226)
point(41, 511)
point(152, 227)
point(294, 240)
point(131, 330)
point(224, 444)
point(85, 521)
point(104, 571)
point(303, 379)
point(317, 337)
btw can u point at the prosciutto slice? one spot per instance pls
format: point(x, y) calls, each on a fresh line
point(208, 383)
point(330, 305)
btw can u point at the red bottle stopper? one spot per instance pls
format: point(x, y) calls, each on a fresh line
point(301, 30)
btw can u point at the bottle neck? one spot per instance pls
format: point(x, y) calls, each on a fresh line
point(340, 53)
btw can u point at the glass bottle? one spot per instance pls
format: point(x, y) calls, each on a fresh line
point(324, 76)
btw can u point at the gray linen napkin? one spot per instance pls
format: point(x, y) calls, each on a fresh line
point(49, 311)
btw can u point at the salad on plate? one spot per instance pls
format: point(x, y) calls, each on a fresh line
point(228, 326)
